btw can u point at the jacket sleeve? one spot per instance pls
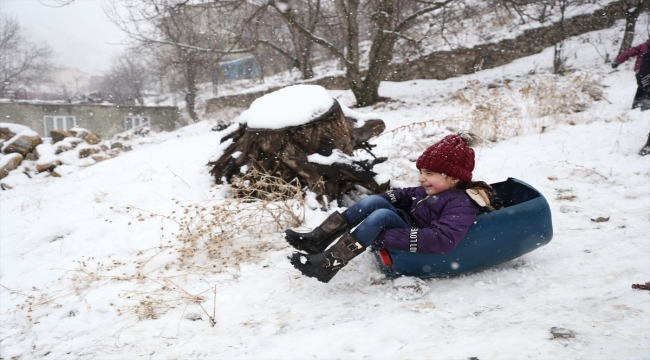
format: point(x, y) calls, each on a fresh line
point(441, 236)
point(400, 198)
point(633, 51)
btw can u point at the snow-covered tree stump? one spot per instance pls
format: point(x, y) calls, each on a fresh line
point(301, 132)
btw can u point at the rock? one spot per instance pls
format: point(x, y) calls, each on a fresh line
point(79, 132)
point(99, 157)
point(562, 333)
point(193, 316)
point(91, 138)
point(23, 145)
point(113, 152)
point(141, 131)
point(86, 152)
point(117, 145)
point(6, 134)
point(58, 135)
point(55, 174)
point(73, 141)
point(62, 147)
point(32, 156)
point(103, 147)
point(10, 162)
point(48, 166)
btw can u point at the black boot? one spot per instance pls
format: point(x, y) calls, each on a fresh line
point(646, 148)
point(321, 237)
point(325, 265)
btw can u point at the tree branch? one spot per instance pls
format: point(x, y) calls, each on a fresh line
point(288, 16)
point(409, 19)
point(280, 50)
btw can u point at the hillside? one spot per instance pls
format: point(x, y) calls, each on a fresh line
point(111, 261)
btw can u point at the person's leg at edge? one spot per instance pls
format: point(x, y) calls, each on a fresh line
point(638, 97)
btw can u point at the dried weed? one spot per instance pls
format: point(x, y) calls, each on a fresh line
point(211, 236)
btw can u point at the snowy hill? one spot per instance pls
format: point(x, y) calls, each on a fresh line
point(111, 261)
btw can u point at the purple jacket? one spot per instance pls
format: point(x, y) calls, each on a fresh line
point(437, 222)
point(637, 51)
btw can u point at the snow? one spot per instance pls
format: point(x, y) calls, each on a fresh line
point(90, 261)
point(337, 156)
point(290, 106)
point(5, 159)
point(16, 128)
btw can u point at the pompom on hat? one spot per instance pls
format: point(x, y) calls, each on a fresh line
point(450, 156)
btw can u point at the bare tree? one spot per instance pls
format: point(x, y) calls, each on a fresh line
point(633, 8)
point(189, 36)
point(273, 32)
point(22, 63)
point(129, 76)
point(379, 23)
point(543, 11)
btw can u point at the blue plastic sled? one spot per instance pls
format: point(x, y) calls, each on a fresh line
point(521, 226)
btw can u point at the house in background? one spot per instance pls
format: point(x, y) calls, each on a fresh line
point(105, 120)
point(71, 79)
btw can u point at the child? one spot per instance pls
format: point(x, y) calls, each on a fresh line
point(431, 218)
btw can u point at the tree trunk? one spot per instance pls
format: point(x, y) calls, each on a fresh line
point(558, 49)
point(379, 58)
point(284, 153)
point(630, 22)
point(306, 68)
point(190, 95)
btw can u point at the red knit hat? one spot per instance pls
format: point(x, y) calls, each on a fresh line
point(449, 156)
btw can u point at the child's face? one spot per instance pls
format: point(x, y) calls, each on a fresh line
point(434, 182)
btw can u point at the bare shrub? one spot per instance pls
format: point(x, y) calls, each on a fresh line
point(493, 114)
point(212, 236)
point(500, 112)
point(231, 231)
point(550, 95)
point(495, 117)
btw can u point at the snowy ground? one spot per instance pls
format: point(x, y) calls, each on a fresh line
point(88, 272)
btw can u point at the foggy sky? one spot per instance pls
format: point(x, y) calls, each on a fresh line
point(80, 33)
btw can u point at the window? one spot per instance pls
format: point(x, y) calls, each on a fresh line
point(65, 123)
point(131, 122)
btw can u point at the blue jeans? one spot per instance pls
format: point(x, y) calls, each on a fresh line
point(377, 214)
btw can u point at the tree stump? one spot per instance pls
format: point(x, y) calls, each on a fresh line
point(318, 153)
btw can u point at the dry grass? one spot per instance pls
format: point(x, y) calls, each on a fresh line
point(501, 112)
point(233, 230)
point(210, 237)
point(494, 115)
point(546, 95)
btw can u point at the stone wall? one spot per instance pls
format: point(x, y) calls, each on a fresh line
point(445, 64)
point(246, 99)
point(103, 120)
